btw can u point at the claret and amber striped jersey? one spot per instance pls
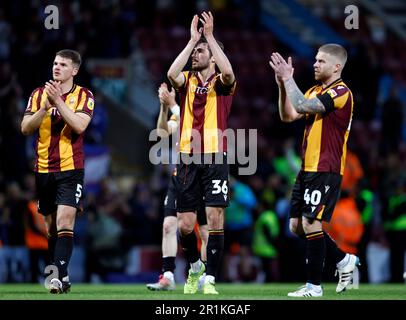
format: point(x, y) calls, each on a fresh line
point(58, 147)
point(324, 146)
point(204, 112)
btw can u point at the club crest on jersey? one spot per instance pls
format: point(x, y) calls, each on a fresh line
point(332, 93)
point(72, 100)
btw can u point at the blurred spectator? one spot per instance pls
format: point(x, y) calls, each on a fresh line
point(5, 37)
point(14, 253)
point(36, 241)
point(105, 252)
point(238, 230)
point(353, 172)
point(265, 244)
point(143, 226)
point(395, 227)
point(287, 162)
point(392, 120)
point(346, 226)
point(365, 199)
point(97, 130)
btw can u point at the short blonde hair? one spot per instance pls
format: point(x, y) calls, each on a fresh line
point(335, 50)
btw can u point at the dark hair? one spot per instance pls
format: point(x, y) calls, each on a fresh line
point(203, 40)
point(71, 54)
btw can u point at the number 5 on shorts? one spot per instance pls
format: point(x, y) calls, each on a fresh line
point(78, 194)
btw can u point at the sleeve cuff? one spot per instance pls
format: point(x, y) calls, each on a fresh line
point(327, 101)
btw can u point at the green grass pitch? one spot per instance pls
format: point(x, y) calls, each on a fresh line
point(275, 291)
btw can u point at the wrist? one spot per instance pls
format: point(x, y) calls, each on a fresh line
point(192, 42)
point(209, 37)
point(175, 109)
point(284, 79)
point(58, 102)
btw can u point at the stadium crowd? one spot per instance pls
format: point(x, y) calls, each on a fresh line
point(124, 212)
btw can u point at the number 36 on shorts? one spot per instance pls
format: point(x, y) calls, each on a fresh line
point(219, 186)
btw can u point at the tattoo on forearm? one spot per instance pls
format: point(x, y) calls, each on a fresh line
point(298, 100)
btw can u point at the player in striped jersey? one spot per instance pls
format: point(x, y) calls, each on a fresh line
point(327, 109)
point(165, 128)
point(59, 113)
point(205, 102)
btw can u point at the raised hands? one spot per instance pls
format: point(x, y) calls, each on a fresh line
point(283, 70)
point(207, 30)
point(53, 90)
point(166, 97)
point(194, 33)
point(208, 25)
point(47, 105)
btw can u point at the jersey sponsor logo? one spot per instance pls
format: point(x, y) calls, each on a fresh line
point(54, 112)
point(90, 104)
point(332, 93)
point(200, 90)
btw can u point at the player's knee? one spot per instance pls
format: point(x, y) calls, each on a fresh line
point(294, 227)
point(185, 227)
point(204, 234)
point(311, 225)
point(65, 223)
point(65, 217)
point(215, 218)
point(169, 226)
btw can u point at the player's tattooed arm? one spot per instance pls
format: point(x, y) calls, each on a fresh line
point(298, 100)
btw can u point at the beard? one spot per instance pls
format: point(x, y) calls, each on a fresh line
point(197, 68)
point(200, 66)
point(320, 76)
